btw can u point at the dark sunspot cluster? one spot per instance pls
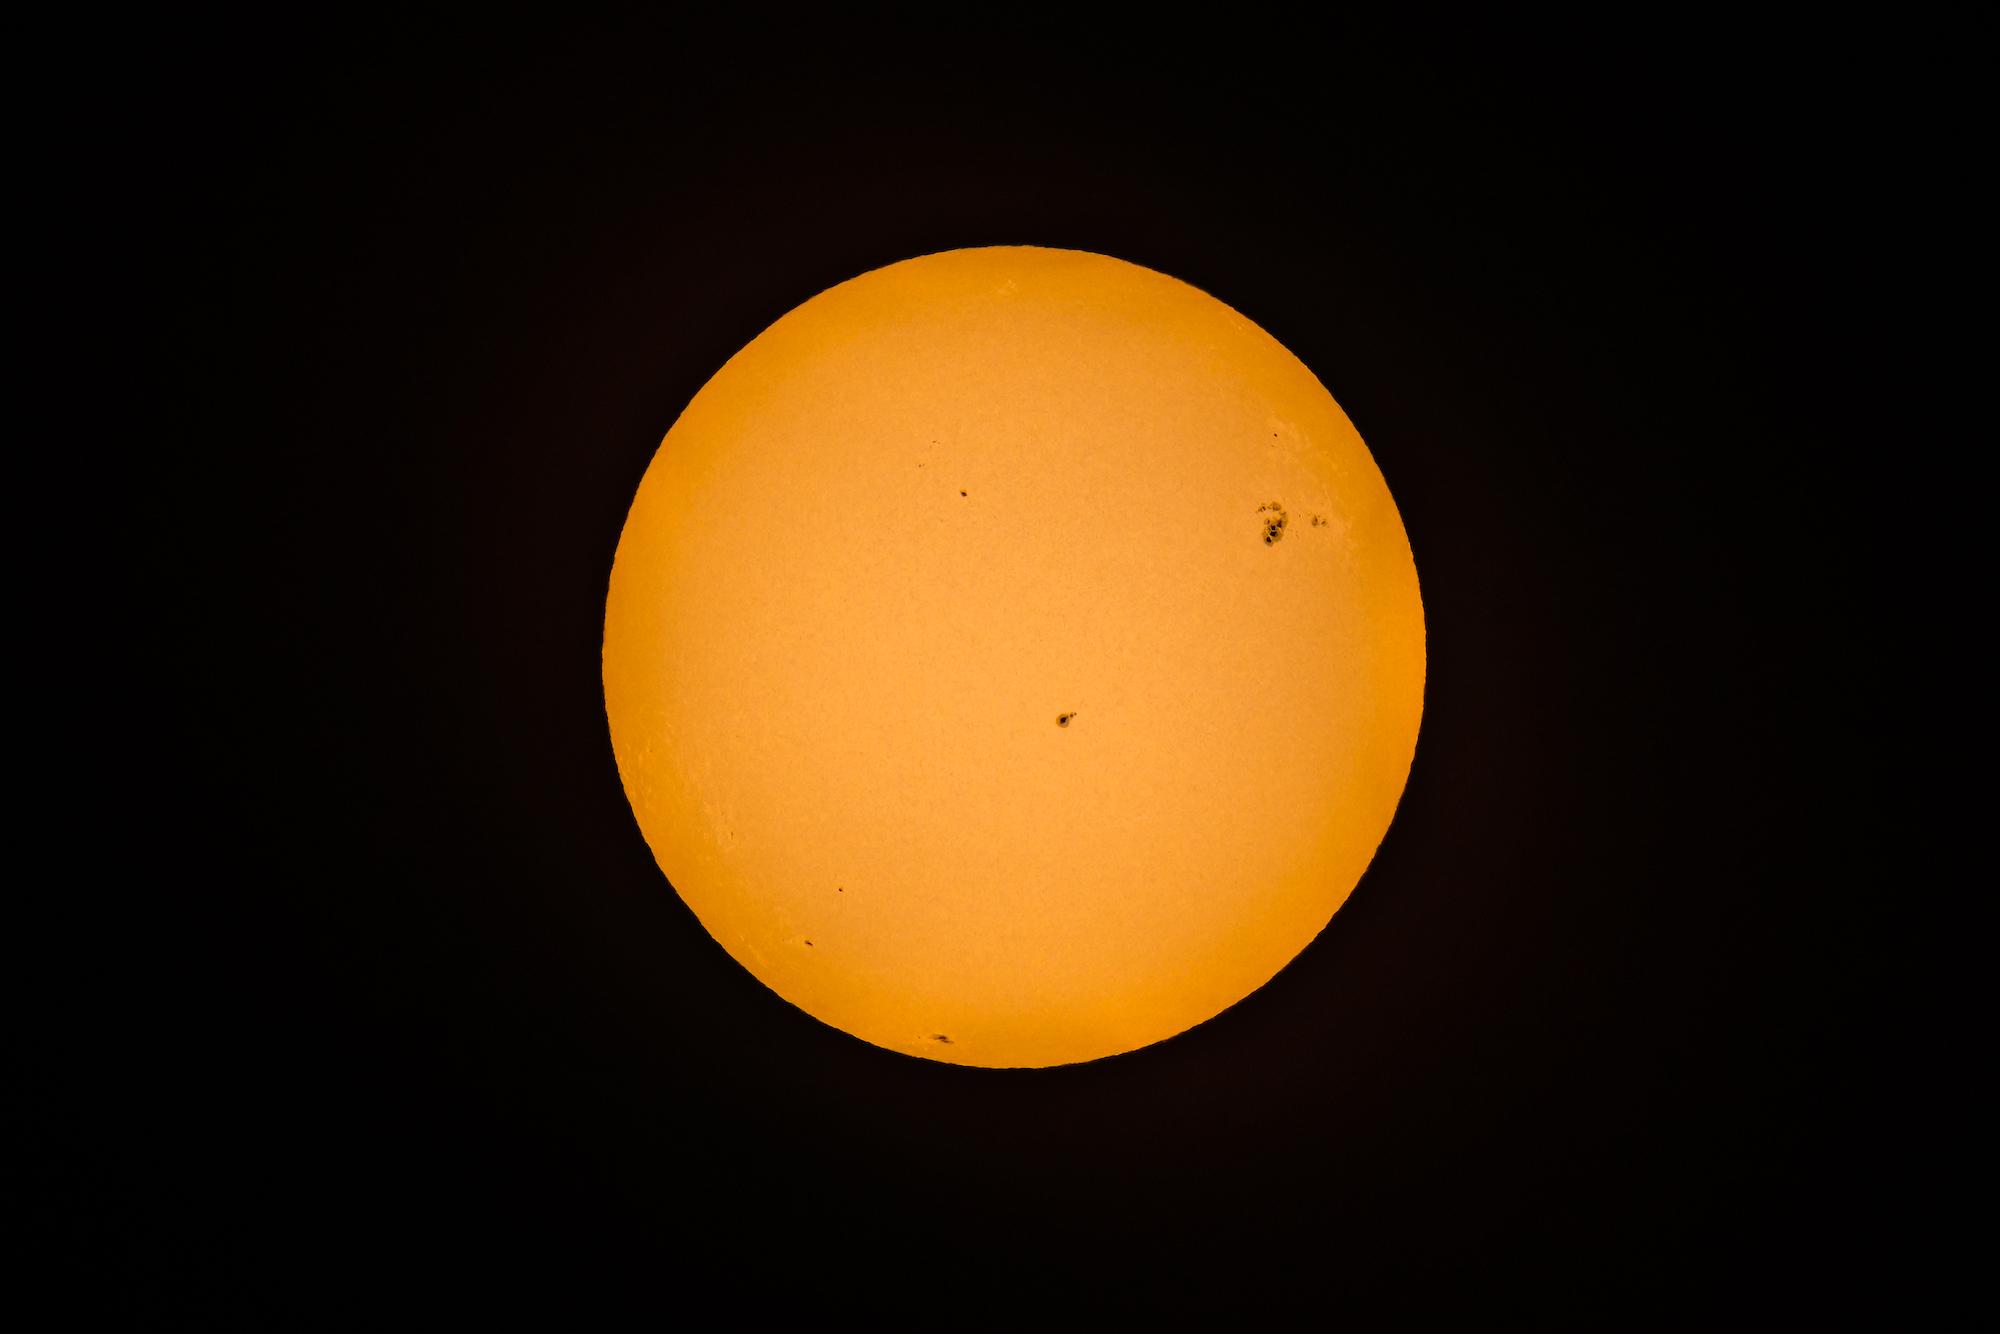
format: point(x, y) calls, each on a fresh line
point(1274, 522)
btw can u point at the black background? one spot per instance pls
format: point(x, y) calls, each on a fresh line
point(430, 1032)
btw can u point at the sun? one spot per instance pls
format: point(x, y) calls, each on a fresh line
point(1013, 656)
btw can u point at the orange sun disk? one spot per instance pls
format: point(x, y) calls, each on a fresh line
point(1013, 656)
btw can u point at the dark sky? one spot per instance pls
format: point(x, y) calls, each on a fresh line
point(430, 1032)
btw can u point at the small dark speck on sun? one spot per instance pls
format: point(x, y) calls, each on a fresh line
point(1062, 719)
point(939, 1037)
point(961, 493)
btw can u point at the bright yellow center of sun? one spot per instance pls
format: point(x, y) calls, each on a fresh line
point(1013, 656)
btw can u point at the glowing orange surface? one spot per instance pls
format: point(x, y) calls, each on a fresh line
point(1013, 656)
